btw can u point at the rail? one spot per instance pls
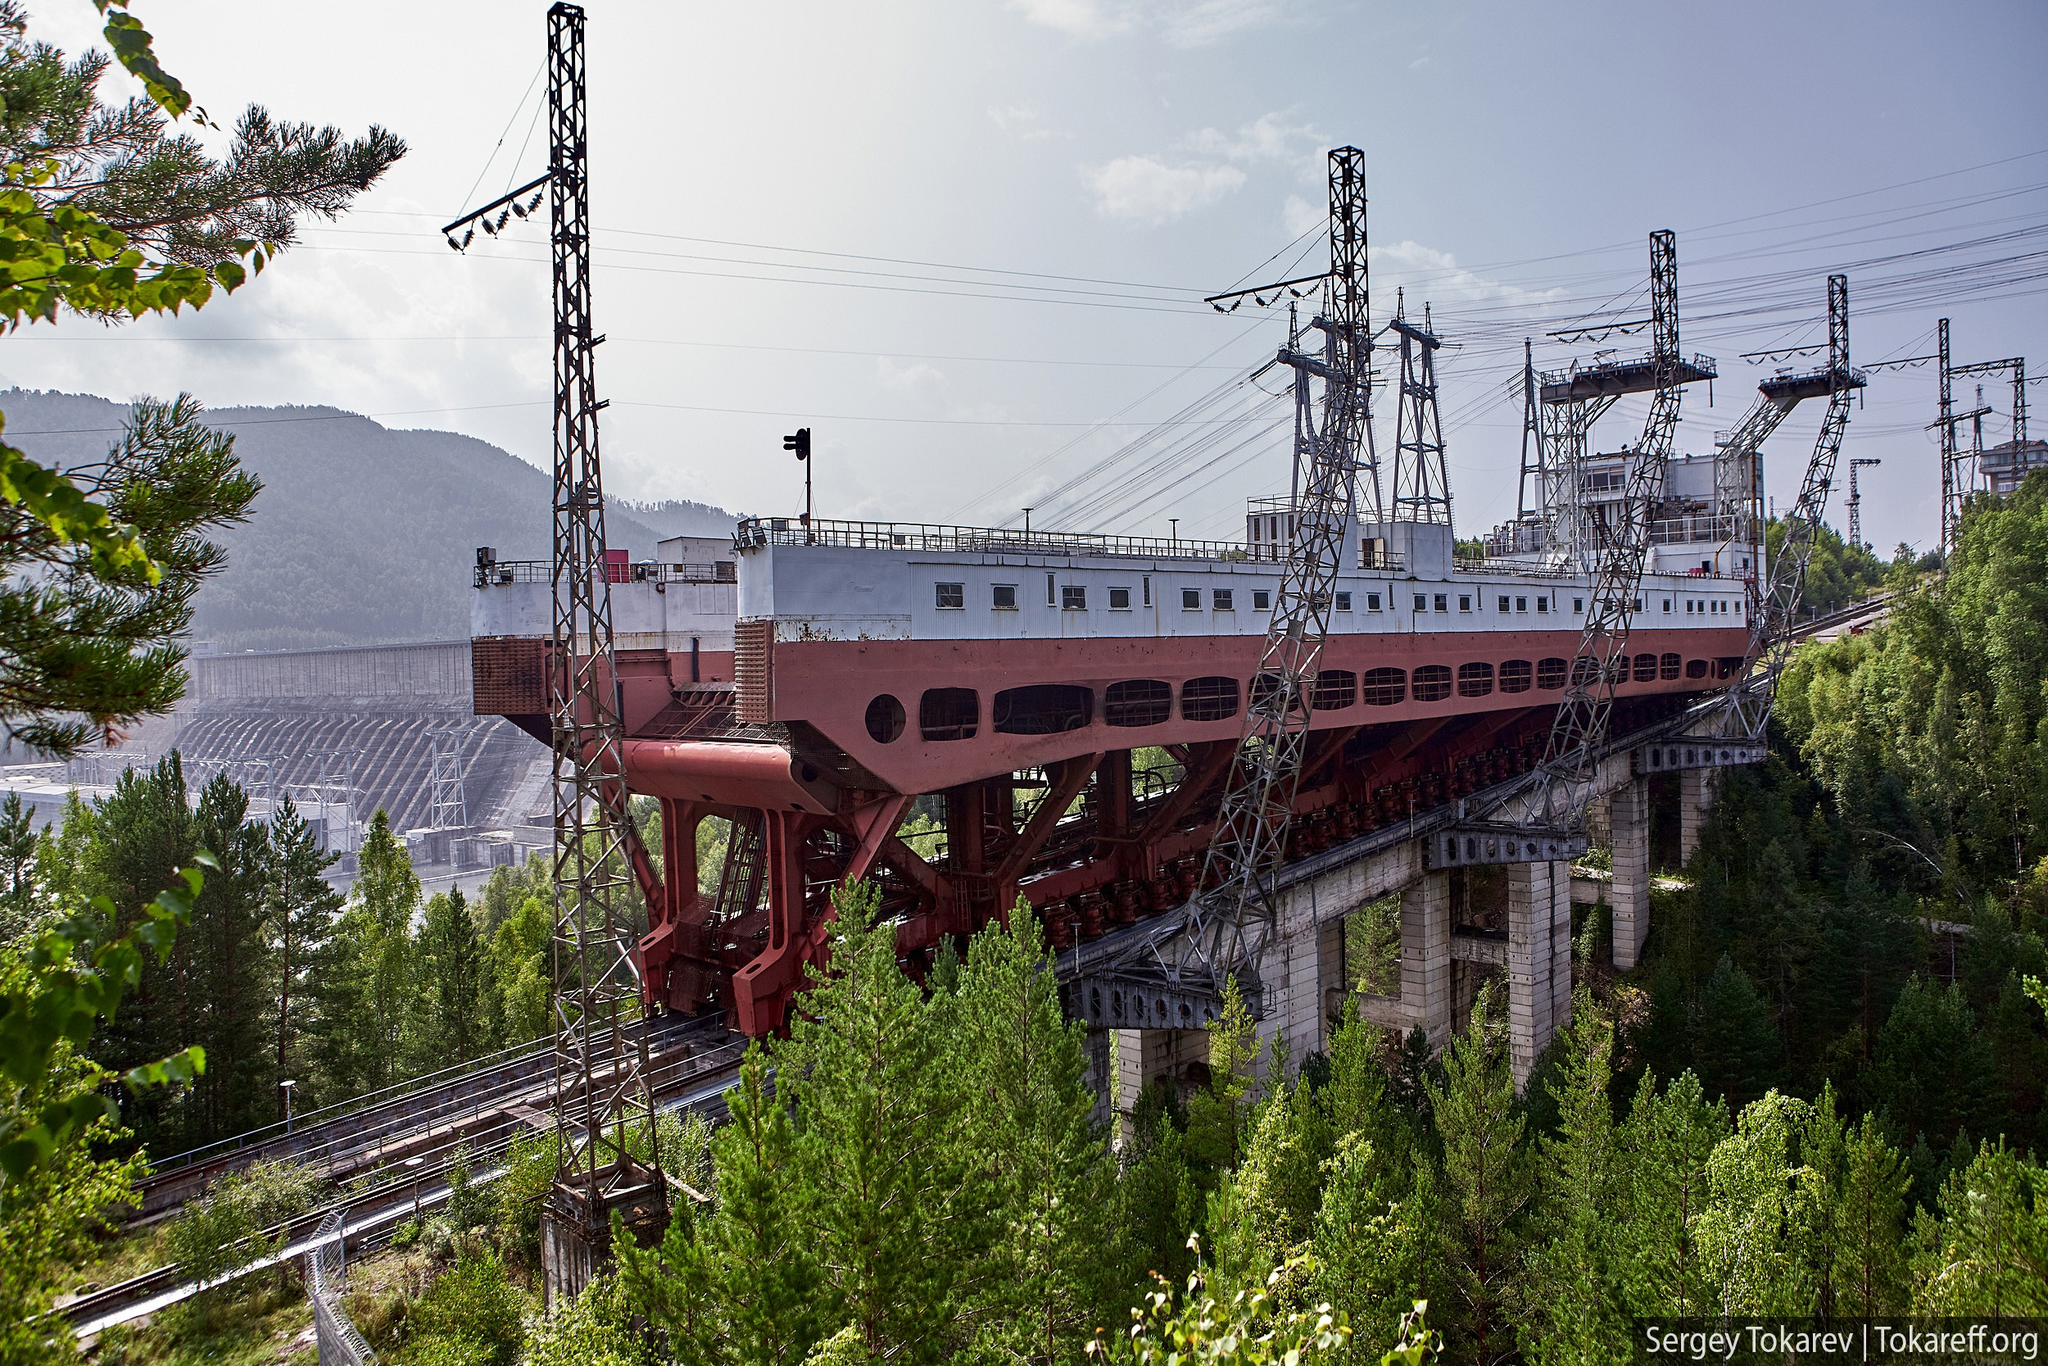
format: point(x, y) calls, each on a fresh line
point(923, 538)
point(381, 1198)
point(646, 571)
point(363, 1131)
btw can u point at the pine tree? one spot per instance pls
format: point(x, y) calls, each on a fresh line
point(1989, 1254)
point(1487, 1178)
point(302, 911)
point(1871, 1277)
point(1666, 1144)
point(17, 869)
point(1930, 1069)
point(137, 839)
point(1039, 1288)
point(1738, 1047)
point(228, 964)
point(738, 1285)
point(451, 1012)
point(878, 1103)
point(1572, 1309)
point(363, 996)
point(1217, 1112)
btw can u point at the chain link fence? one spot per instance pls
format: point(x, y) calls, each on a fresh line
point(326, 1276)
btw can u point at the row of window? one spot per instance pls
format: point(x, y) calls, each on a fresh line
point(1073, 597)
point(1050, 708)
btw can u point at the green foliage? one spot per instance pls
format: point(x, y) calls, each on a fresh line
point(596, 1329)
point(91, 636)
point(1988, 1255)
point(1488, 1176)
point(223, 1232)
point(1837, 573)
point(471, 1315)
point(1254, 1328)
point(56, 993)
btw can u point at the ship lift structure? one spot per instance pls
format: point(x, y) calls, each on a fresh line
point(1338, 679)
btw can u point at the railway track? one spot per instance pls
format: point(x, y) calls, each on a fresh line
point(383, 1179)
point(359, 1133)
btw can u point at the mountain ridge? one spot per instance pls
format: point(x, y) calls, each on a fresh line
point(363, 534)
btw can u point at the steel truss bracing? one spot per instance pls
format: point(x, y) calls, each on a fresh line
point(447, 805)
point(1422, 485)
point(1959, 469)
point(1532, 487)
point(1545, 814)
point(1225, 928)
point(1743, 712)
point(1856, 500)
point(603, 1101)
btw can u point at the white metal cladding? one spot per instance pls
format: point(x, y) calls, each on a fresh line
point(836, 593)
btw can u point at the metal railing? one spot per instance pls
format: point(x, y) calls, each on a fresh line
point(1678, 530)
point(923, 538)
point(646, 571)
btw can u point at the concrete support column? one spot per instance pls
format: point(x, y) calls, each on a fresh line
point(1426, 955)
point(1539, 960)
point(1628, 813)
point(1127, 1061)
point(1695, 798)
point(1560, 944)
point(1531, 964)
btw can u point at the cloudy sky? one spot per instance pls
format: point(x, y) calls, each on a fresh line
point(966, 242)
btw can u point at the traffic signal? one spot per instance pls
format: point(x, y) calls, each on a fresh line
point(800, 442)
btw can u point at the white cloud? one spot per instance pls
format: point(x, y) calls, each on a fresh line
point(906, 378)
point(1268, 138)
point(1181, 23)
point(1144, 189)
point(1023, 122)
point(1434, 275)
point(1298, 216)
point(1211, 21)
point(1085, 19)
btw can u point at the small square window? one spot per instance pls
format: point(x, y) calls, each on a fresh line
point(1464, 602)
point(1442, 603)
point(1003, 597)
point(1372, 602)
point(1190, 599)
point(1543, 604)
point(1222, 599)
point(1262, 600)
point(1521, 604)
point(1073, 597)
point(1119, 599)
point(1503, 603)
point(952, 595)
point(1343, 602)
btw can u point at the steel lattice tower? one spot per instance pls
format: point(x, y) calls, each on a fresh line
point(1856, 500)
point(603, 1097)
point(1232, 922)
point(1422, 485)
point(602, 1091)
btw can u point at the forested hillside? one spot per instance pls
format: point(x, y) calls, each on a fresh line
point(362, 534)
